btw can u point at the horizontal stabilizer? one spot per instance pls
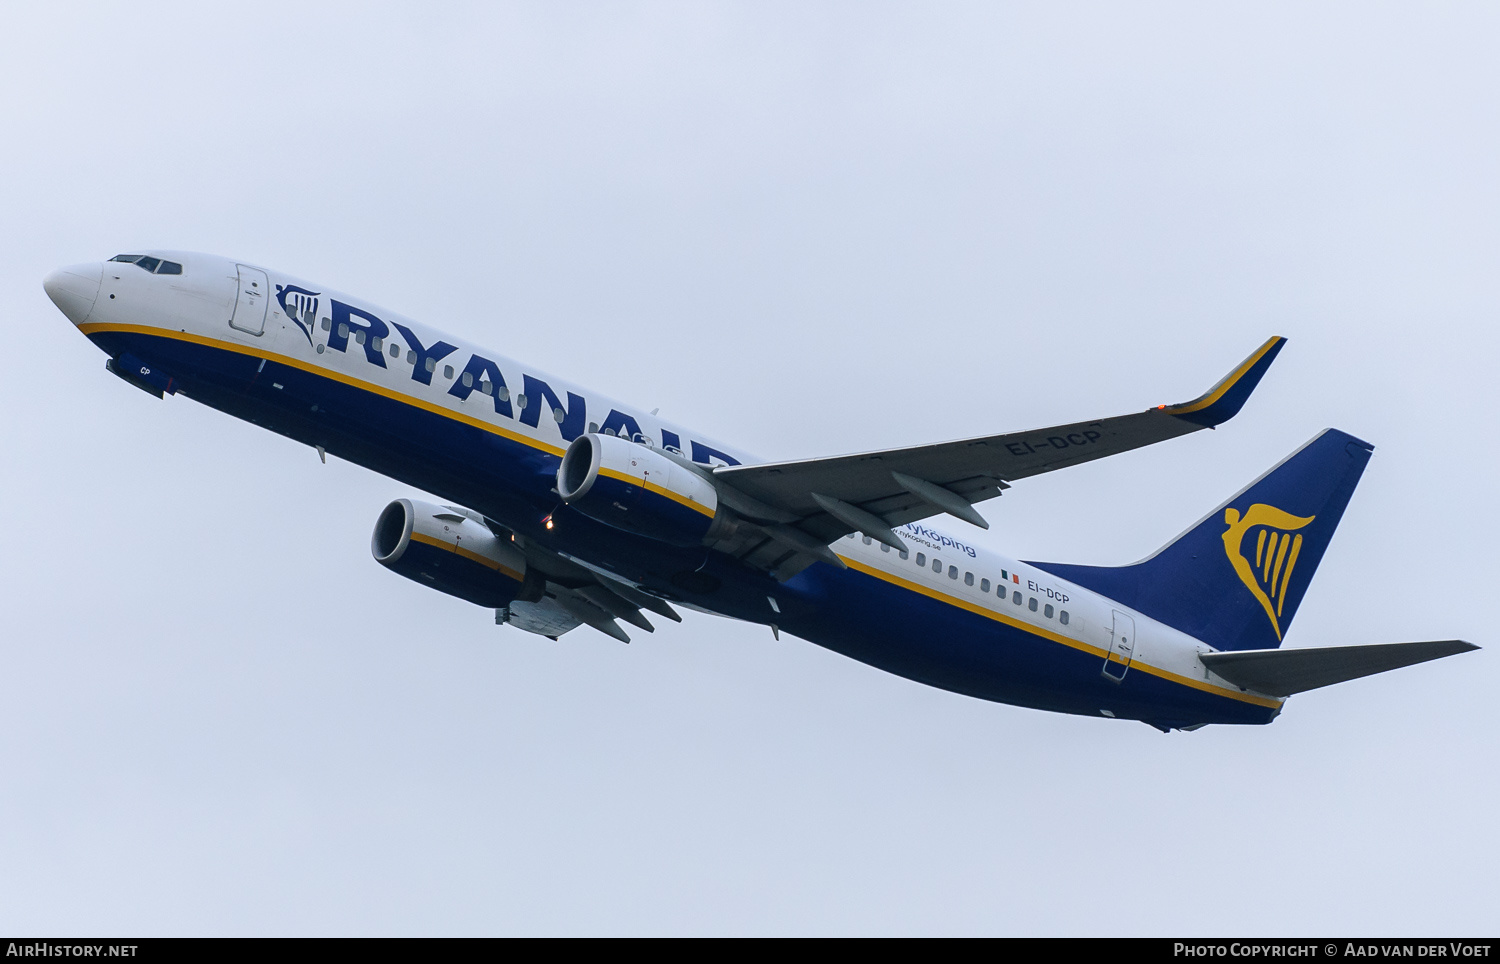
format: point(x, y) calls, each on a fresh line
point(1282, 672)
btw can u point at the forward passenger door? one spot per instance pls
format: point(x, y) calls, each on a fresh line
point(250, 305)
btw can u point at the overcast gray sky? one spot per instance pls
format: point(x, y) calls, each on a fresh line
point(806, 229)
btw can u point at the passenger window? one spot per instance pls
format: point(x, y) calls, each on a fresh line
point(359, 338)
point(905, 553)
point(884, 547)
point(1047, 611)
point(327, 324)
point(503, 394)
point(559, 416)
point(169, 267)
point(984, 585)
point(968, 579)
point(431, 365)
point(521, 401)
point(447, 371)
point(395, 350)
point(487, 388)
point(937, 565)
point(343, 330)
point(377, 343)
point(468, 379)
point(952, 572)
point(868, 540)
point(1062, 617)
point(1016, 599)
point(921, 559)
point(610, 432)
point(1032, 605)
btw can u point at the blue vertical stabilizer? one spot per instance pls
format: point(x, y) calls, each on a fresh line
point(1235, 579)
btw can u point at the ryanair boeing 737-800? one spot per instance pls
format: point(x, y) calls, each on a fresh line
point(567, 509)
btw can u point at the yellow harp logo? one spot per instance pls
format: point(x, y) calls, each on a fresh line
point(1276, 548)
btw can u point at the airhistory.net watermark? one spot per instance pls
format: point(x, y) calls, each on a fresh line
point(47, 949)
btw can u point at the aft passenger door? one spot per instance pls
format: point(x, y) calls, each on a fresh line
point(1121, 647)
point(250, 304)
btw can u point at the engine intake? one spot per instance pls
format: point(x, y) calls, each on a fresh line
point(443, 548)
point(638, 489)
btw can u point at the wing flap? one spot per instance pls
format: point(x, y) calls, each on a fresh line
point(543, 617)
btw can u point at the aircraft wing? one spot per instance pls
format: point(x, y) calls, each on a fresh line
point(819, 500)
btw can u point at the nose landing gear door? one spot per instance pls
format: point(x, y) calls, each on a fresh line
point(250, 305)
point(1121, 647)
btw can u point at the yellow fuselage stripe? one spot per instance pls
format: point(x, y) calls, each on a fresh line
point(555, 450)
point(331, 374)
point(387, 393)
point(1047, 634)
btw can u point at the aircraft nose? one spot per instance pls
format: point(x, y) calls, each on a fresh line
point(74, 289)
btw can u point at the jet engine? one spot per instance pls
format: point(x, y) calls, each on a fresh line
point(449, 550)
point(630, 486)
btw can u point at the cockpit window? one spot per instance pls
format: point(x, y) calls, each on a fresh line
point(150, 264)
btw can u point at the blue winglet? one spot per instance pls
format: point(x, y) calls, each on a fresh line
point(1224, 400)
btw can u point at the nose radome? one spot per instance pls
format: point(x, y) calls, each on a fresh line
point(74, 289)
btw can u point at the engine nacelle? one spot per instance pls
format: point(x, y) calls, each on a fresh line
point(441, 547)
point(629, 486)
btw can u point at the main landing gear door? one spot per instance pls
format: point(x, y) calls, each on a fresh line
point(250, 306)
point(1121, 647)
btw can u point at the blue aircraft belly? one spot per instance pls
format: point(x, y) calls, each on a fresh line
point(943, 645)
point(850, 612)
point(505, 479)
